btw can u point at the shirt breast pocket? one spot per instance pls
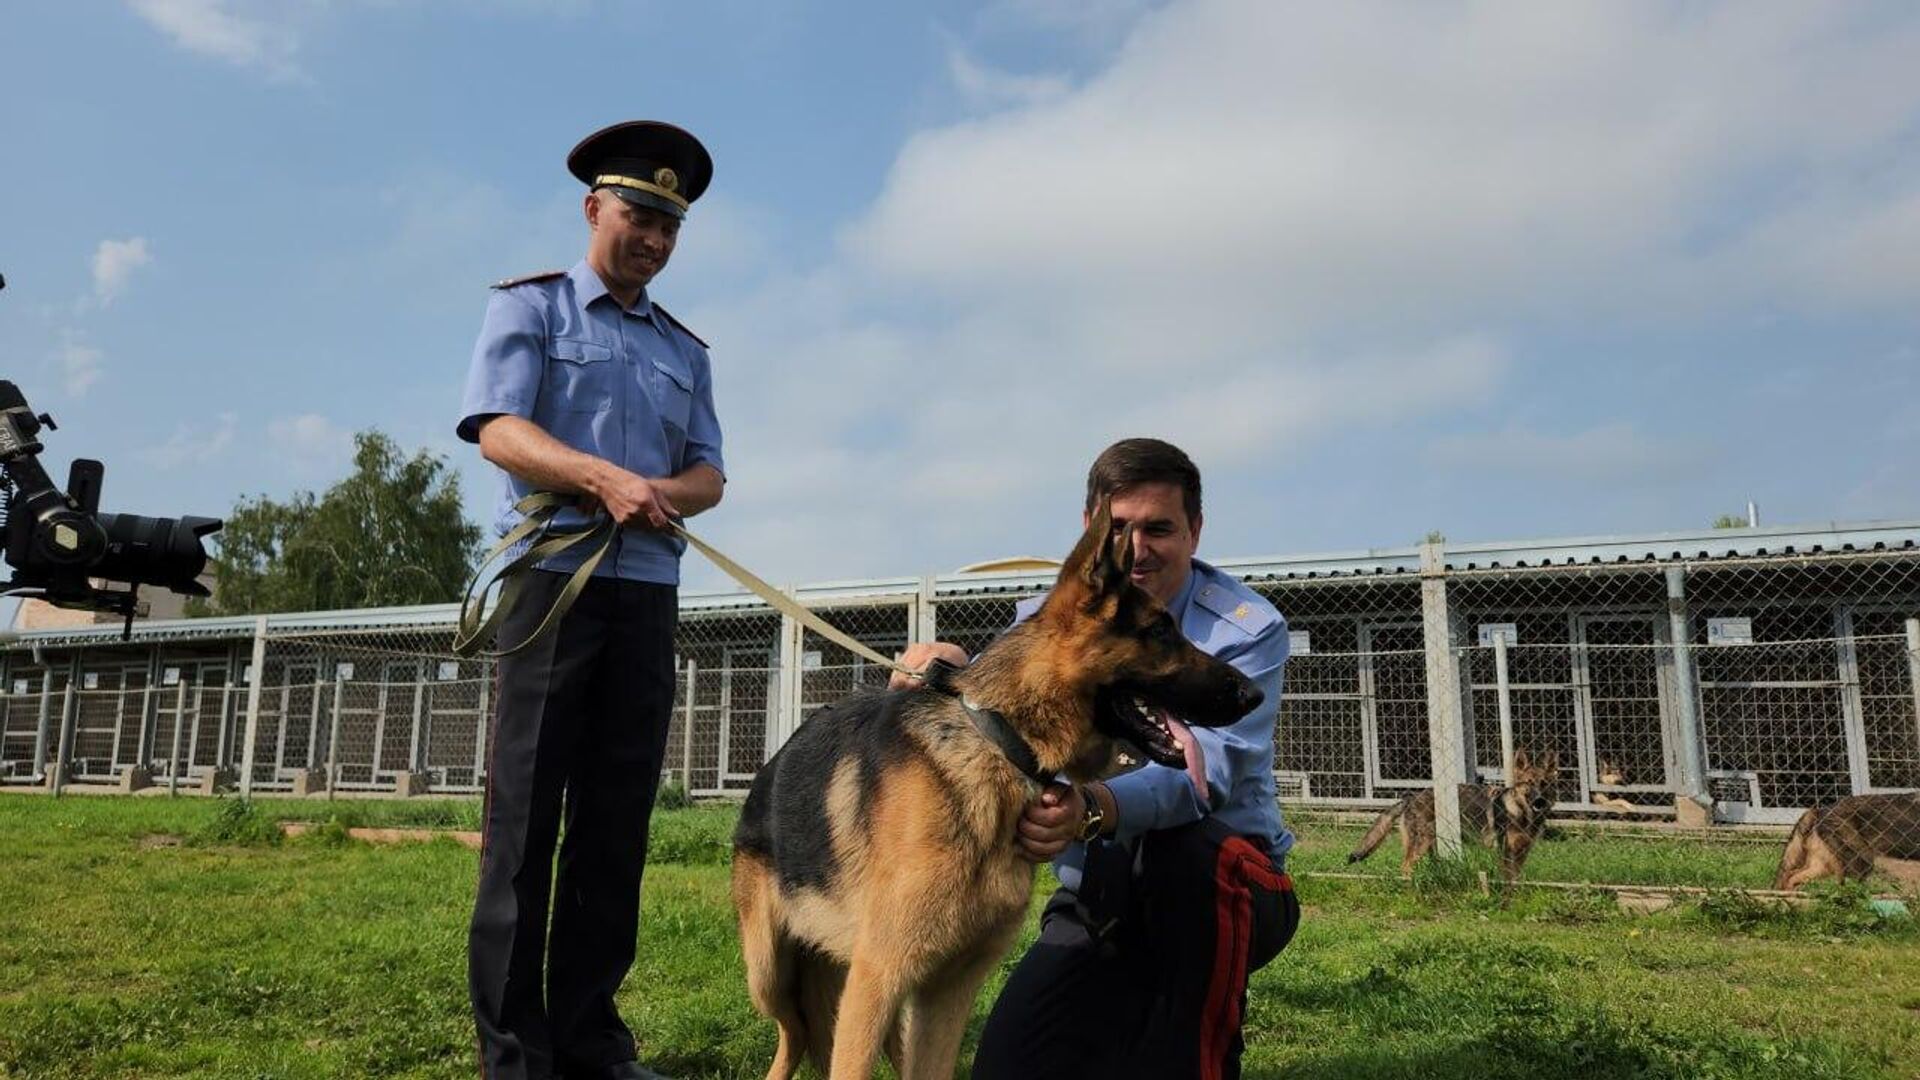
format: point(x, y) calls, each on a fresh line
point(672, 392)
point(579, 376)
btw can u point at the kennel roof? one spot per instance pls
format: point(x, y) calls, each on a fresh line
point(1690, 546)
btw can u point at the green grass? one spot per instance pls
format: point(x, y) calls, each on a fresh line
point(156, 937)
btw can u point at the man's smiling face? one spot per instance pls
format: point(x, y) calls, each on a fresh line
point(1164, 540)
point(629, 244)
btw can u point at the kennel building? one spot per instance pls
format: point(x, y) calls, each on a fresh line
point(1726, 675)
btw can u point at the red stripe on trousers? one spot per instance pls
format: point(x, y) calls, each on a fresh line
point(1238, 864)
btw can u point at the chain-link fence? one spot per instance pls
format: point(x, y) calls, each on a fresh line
point(1682, 697)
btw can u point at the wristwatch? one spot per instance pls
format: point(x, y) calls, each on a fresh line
point(1091, 817)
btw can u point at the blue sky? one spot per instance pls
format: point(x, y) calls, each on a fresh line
point(1500, 269)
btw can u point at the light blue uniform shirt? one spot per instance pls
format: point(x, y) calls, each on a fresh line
point(629, 385)
point(1231, 622)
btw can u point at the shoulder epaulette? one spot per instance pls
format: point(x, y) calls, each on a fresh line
point(683, 326)
point(1250, 613)
point(544, 275)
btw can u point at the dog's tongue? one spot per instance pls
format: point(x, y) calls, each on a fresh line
point(1180, 733)
point(1196, 764)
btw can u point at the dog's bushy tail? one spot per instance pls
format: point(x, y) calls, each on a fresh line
point(1382, 825)
point(1795, 856)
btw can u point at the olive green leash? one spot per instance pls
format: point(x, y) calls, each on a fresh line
point(538, 510)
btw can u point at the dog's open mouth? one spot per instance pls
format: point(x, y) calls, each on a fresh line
point(1149, 727)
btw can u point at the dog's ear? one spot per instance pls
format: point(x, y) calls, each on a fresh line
point(1522, 764)
point(1111, 558)
point(1117, 566)
point(1102, 562)
point(1082, 569)
point(1549, 766)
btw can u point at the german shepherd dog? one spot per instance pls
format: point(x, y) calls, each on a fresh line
point(875, 872)
point(1513, 816)
point(1610, 773)
point(1848, 838)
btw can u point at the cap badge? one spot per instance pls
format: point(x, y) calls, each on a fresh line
point(667, 178)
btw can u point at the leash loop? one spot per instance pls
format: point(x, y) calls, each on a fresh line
point(538, 511)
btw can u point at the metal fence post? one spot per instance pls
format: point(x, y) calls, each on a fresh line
point(417, 751)
point(686, 725)
point(69, 717)
point(333, 732)
point(257, 675)
point(482, 730)
point(43, 725)
point(149, 710)
point(1446, 721)
point(179, 721)
point(788, 712)
point(1686, 692)
point(1913, 670)
point(1852, 711)
point(926, 623)
point(1506, 706)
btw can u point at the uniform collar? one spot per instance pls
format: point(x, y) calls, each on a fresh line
point(1183, 603)
point(587, 287)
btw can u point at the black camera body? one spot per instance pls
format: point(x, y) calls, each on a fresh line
point(58, 542)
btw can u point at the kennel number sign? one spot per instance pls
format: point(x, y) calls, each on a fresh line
point(1730, 631)
point(1300, 642)
point(1505, 631)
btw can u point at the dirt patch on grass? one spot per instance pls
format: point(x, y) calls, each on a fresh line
point(1643, 903)
point(391, 836)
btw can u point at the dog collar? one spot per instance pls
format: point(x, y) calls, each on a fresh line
point(1001, 734)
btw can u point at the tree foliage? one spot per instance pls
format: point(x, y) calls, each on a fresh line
point(391, 533)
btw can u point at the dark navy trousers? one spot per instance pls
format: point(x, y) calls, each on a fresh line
point(580, 730)
point(1158, 993)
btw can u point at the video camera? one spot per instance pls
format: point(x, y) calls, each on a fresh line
point(58, 541)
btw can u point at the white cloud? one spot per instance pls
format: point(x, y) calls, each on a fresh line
point(236, 31)
point(193, 444)
point(1096, 20)
point(114, 261)
point(1264, 225)
point(985, 87)
point(267, 35)
point(1324, 160)
point(79, 366)
point(1614, 452)
point(311, 446)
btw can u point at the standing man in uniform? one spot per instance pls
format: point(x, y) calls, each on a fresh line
point(581, 383)
point(1173, 884)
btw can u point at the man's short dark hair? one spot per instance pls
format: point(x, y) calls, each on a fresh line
point(1131, 462)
